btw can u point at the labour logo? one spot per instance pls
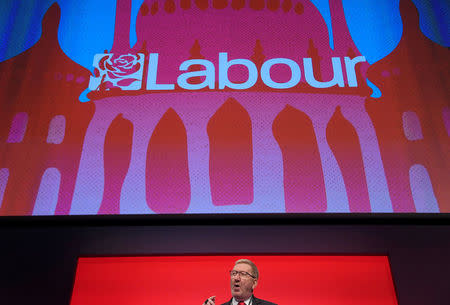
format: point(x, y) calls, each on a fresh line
point(117, 71)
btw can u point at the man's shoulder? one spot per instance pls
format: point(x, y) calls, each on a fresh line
point(262, 302)
point(256, 301)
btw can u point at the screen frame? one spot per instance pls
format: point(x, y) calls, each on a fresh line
point(230, 219)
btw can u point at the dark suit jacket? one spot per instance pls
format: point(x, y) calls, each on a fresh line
point(255, 301)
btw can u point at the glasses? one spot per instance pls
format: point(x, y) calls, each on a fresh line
point(243, 274)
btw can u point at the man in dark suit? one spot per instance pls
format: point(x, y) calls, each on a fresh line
point(244, 279)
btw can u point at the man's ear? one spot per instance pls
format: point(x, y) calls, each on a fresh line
point(255, 283)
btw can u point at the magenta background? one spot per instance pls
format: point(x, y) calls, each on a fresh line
point(281, 34)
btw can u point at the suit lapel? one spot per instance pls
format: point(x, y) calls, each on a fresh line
point(255, 301)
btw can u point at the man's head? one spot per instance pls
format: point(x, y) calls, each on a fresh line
point(244, 278)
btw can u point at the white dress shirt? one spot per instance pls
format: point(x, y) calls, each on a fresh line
point(247, 302)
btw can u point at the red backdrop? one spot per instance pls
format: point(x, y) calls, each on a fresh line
point(187, 280)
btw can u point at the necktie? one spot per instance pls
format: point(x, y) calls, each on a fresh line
point(241, 303)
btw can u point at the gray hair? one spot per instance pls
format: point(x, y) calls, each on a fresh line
point(251, 264)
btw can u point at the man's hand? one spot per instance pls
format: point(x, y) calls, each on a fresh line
point(210, 301)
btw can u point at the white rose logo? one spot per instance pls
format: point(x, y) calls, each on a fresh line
point(117, 71)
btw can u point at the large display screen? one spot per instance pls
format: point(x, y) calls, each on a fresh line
point(186, 280)
point(224, 106)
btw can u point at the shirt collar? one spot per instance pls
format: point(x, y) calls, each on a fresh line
point(247, 302)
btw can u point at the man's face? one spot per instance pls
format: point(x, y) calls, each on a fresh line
point(242, 286)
